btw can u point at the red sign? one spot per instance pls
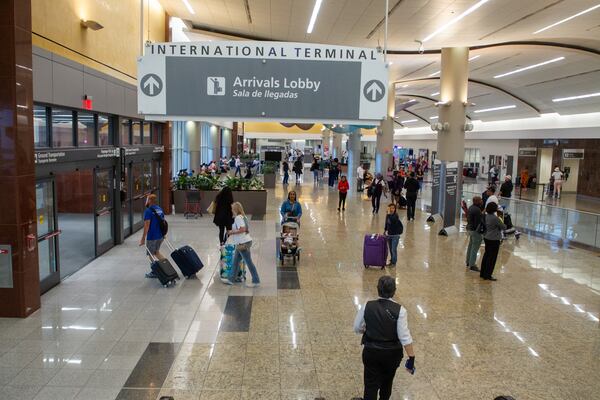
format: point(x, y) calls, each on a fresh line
point(3, 251)
point(87, 104)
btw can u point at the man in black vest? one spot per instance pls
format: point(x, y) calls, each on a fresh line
point(384, 326)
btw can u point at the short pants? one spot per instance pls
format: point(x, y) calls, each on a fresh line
point(154, 245)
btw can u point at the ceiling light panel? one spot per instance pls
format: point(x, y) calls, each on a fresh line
point(313, 17)
point(516, 71)
point(188, 6)
point(484, 110)
point(456, 19)
point(562, 21)
point(579, 97)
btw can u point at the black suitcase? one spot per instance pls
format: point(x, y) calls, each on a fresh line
point(163, 270)
point(186, 259)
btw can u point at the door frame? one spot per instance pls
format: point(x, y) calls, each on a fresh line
point(54, 278)
point(102, 248)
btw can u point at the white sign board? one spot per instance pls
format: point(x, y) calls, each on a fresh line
point(261, 81)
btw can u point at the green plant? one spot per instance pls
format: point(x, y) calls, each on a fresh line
point(233, 183)
point(256, 184)
point(205, 182)
point(183, 182)
point(269, 167)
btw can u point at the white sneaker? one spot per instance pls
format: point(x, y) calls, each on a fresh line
point(226, 281)
point(252, 285)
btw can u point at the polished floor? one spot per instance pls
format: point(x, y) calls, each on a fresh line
point(106, 332)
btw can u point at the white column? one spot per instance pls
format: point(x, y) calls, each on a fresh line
point(354, 148)
point(385, 135)
point(337, 145)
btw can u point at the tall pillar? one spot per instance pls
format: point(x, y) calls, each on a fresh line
point(326, 144)
point(453, 95)
point(19, 269)
point(385, 135)
point(353, 155)
point(166, 172)
point(337, 145)
point(192, 130)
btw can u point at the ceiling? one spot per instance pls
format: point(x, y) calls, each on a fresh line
point(357, 23)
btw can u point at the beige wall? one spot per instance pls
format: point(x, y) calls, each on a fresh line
point(117, 45)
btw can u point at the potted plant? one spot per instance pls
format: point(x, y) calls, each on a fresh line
point(269, 174)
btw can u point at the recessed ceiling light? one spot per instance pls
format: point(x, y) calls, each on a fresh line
point(436, 117)
point(516, 71)
point(188, 6)
point(583, 96)
point(434, 74)
point(456, 19)
point(567, 19)
point(408, 121)
point(404, 86)
point(495, 109)
point(435, 94)
point(474, 57)
point(313, 17)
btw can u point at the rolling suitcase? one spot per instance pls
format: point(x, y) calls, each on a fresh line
point(163, 270)
point(375, 251)
point(186, 259)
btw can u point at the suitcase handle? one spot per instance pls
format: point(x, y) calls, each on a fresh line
point(169, 244)
point(152, 256)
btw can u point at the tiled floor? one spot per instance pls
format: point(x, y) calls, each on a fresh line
point(106, 332)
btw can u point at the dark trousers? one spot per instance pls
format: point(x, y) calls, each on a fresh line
point(223, 233)
point(331, 179)
point(411, 200)
point(286, 177)
point(375, 200)
point(342, 202)
point(488, 261)
point(380, 369)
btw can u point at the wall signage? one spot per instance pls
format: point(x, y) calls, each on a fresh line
point(528, 152)
point(265, 81)
point(59, 156)
point(6, 269)
point(573, 154)
point(451, 192)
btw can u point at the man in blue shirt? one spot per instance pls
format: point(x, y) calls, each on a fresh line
point(152, 236)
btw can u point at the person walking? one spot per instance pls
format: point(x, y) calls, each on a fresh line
point(286, 172)
point(238, 166)
point(492, 237)
point(314, 168)
point(152, 236)
point(223, 215)
point(393, 229)
point(475, 237)
point(412, 190)
point(524, 178)
point(558, 181)
point(298, 167)
point(291, 208)
point(333, 170)
point(240, 236)
point(377, 187)
point(360, 175)
point(420, 177)
point(343, 187)
point(384, 327)
point(507, 187)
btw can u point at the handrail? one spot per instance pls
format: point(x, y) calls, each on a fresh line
point(49, 235)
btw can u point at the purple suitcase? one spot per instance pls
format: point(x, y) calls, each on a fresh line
point(375, 251)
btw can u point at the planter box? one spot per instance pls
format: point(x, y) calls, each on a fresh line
point(269, 180)
point(254, 201)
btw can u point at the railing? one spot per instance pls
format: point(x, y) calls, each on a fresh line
point(568, 224)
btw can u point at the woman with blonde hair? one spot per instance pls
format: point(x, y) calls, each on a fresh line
point(240, 236)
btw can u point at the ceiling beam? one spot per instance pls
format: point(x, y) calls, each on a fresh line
point(424, 98)
point(414, 114)
point(488, 85)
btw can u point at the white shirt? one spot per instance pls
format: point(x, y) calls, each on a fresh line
point(237, 162)
point(492, 199)
point(239, 238)
point(557, 175)
point(360, 172)
point(401, 325)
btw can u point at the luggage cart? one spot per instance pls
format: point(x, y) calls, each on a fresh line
point(192, 204)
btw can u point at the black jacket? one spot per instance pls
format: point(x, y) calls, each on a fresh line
point(411, 185)
point(473, 217)
point(381, 318)
point(223, 214)
point(506, 189)
point(393, 225)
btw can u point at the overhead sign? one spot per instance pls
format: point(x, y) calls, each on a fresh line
point(528, 152)
point(573, 154)
point(264, 81)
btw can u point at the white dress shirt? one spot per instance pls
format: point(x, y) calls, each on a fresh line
point(401, 325)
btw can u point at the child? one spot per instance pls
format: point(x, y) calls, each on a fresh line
point(343, 187)
point(393, 230)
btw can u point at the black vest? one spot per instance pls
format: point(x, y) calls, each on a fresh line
point(381, 320)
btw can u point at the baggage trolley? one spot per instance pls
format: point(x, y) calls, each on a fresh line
point(192, 204)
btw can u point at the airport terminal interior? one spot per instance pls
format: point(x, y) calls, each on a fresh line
point(116, 115)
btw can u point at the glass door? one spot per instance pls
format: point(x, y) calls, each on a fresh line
point(126, 208)
point(104, 210)
point(139, 200)
point(47, 232)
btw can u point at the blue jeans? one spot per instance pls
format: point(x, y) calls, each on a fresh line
point(286, 177)
point(475, 239)
point(393, 241)
point(316, 175)
point(237, 257)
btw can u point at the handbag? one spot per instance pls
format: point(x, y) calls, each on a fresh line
point(212, 207)
point(243, 246)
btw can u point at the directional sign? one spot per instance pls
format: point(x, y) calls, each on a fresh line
point(262, 81)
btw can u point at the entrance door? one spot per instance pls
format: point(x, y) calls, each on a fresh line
point(139, 200)
point(509, 165)
point(126, 207)
point(48, 232)
point(104, 218)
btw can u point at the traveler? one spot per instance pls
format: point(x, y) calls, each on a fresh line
point(238, 166)
point(360, 174)
point(343, 187)
point(384, 326)
point(314, 168)
point(291, 207)
point(491, 196)
point(396, 188)
point(240, 236)
point(321, 167)
point(333, 171)
point(558, 181)
point(524, 178)
point(475, 237)
point(376, 189)
point(492, 238)
point(223, 216)
point(393, 229)
point(152, 235)
point(507, 187)
point(298, 168)
point(412, 190)
point(420, 177)
point(286, 172)
point(489, 191)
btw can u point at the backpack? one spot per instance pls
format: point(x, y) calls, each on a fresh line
point(162, 223)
